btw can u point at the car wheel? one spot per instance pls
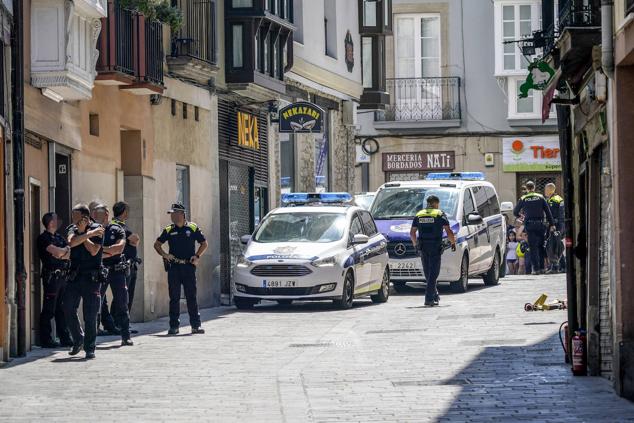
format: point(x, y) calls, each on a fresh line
point(384, 293)
point(347, 296)
point(462, 284)
point(244, 303)
point(284, 302)
point(503, 267)
point(400, 286)
point(492, 277)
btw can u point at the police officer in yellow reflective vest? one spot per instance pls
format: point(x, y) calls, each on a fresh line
point(426, 235)
point(181, 263)
point(556, 204)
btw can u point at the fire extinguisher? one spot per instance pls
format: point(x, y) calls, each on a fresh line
point(565, 340)
point(579, 356)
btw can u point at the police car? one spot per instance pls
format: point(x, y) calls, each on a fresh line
point(314, 247)
point(474, 212)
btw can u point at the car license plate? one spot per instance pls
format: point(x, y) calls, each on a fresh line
point(402, 265)
point(278, 284)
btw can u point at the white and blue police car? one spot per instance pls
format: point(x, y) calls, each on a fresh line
point(315, 247)
point(475, 216)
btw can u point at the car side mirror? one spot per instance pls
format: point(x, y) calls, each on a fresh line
point(244, 239)
point(506, 207)
point(474, 219)
point(360, 239)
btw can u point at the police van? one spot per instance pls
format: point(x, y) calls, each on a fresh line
point(475, 216)
point(318, 246)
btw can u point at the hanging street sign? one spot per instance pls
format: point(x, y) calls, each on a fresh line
point(540, 74)
point(301, 118)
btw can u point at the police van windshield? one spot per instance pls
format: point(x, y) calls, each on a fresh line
point(301, 227)
point(405, 202)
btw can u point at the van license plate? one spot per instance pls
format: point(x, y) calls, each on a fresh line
point(278, 284)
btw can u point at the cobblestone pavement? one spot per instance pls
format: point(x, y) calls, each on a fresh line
point(477, 357)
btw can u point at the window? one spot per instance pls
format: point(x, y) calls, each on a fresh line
point(368, 224)
point(182, 185)
point(514, 20)
point(417, 46)
point(287, 163)
point(524, 108)
point(298, 20)
point(173, 106)
point(367, 70)
point(184, 110)
point(369, 13)
point(322, 157)
point(237, 46)
point(196, 114)
point(330, 28)
point(481, 200)
point(356, 228)
point(494, 204)
point(468, 207)
point(93, 121)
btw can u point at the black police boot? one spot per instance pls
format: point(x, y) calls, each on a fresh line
point(126, 342)
point(198, 330)
point(90, 355)
point(76, 349)
point(172, 331)
point(436, 301)
point(50, 344)
point(114, 331)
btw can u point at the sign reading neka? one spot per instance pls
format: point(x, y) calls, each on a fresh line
point(419, 161)
point(301, 118)
point(248, 133)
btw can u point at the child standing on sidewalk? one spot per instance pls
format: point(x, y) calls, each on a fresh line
point(511, 253)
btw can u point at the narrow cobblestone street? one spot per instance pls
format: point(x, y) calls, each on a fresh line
point(478, 357)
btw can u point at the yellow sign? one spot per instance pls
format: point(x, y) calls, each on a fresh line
point(248, 134)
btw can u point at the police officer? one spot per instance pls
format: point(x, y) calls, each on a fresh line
point(535, 208)
point(180, 263)
point(121, 211)
point(85, 239)
point(55, 256)
point(556, 204)
point(113, 245)
point(426, 235)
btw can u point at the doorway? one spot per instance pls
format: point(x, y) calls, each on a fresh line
point(35, 211)
point(540, 179)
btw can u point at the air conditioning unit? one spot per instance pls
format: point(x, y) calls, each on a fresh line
point(350, 113)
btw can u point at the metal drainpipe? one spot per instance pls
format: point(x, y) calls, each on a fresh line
point(607, 38)
point(17, 95)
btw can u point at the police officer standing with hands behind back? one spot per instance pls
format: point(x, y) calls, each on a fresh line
point(429, 224)
point(535, 209)
point(180, 264)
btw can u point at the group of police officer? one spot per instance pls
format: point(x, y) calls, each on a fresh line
point(95, 252)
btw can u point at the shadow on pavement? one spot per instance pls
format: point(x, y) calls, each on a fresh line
point(305, 307)
point(417, 288)
point(528, 383)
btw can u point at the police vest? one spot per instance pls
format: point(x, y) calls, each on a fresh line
point(555, 199)
point(430, 223)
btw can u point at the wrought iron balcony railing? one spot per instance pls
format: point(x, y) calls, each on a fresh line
point(197, 37)
point(422, 99)
point(629, 6)
point(579, 13)
point(153, 53)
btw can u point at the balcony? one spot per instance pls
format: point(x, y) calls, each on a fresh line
point(130, 52)
point(63, 54)
point(194, 45)
point(417, 103)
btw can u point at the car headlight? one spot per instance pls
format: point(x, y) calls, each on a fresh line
point(328, 287)
point(241, 288)
point(243, 262)
point(325, 262)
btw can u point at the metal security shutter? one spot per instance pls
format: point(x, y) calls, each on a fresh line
point(228, 148)
point(605, 293)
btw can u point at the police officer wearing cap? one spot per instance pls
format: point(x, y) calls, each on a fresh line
point(55, 256)
point(556, 204)
point(426, 235)
point(535, 208)
point(117, 265)
point(85, 239)
point(121, 212)
point(180, 263)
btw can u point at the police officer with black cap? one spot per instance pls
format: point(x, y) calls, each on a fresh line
point(85, 239)
point(121, 211)
point(426, 235)
point(535, 208)
point(180, 263)
point(55, 256)
point(117, 265)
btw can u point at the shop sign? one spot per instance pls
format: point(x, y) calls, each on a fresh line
point(419, 161)
point(531, 154)
point(362, 156)
point(301, 118)
point(540, 74)
point(248, 133)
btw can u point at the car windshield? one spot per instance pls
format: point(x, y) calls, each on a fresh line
point(403, 203)
point(301, 227)
point(364, 200)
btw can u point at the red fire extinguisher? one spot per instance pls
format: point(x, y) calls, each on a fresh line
point(564, 340)
point(579, 356)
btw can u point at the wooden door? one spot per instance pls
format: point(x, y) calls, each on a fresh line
point(34, 274)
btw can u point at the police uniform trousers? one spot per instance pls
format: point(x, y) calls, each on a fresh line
point(105, 315)
point(131, 284)
point(536, 239)
point(185, 275)
point(52, 308)
point(85, 287)
point(431, 258)
point(119, 310)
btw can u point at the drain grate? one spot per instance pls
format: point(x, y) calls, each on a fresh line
point(370, 332)
point(466, 316)
point(442, 382)
point(487, 342)
point(314, 345)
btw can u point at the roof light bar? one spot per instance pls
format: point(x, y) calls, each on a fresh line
point(298, 198)
point(464, 176)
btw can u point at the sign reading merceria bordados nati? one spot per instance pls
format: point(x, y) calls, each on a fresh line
point(248, 132)
point(301, 117)
point(419, 161)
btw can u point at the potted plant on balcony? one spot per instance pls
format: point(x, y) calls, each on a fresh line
point(159, 10)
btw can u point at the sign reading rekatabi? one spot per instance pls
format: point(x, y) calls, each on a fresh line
point(531, 154)
point(301, 118)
